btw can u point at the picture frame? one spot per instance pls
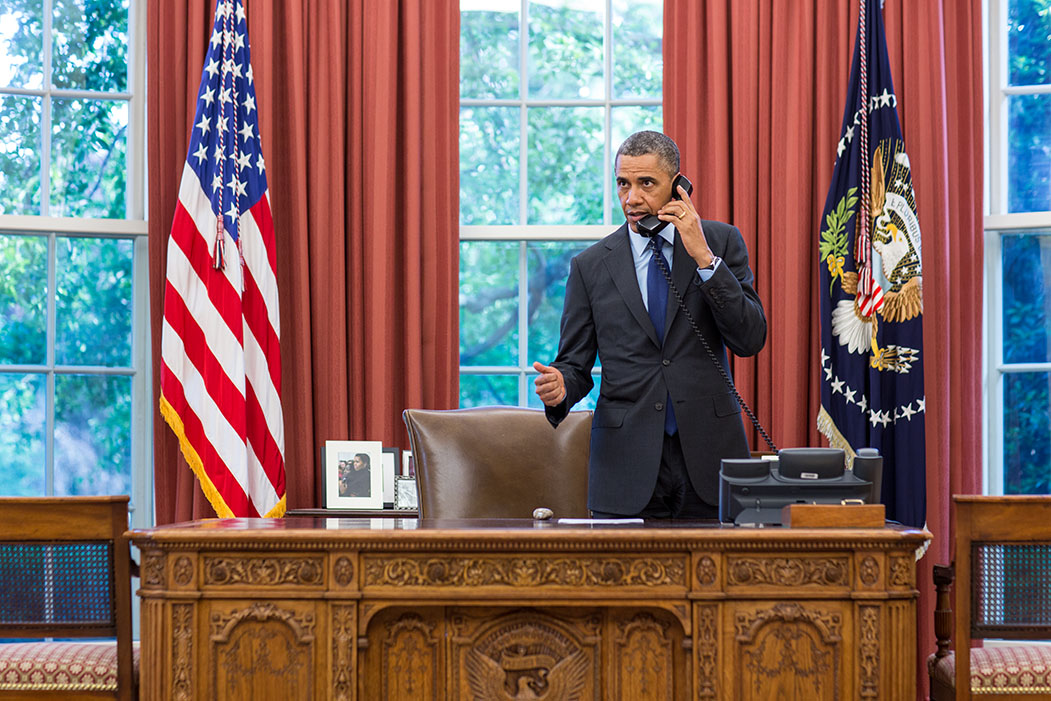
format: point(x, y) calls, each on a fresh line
point(406, 497)
point(346, 487)
point(408, 465)
point(391, 466)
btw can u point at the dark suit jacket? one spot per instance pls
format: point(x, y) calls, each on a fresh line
point(604, 314)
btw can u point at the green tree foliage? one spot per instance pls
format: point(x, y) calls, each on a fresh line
point(1026, 274)
point(564, 166)
point(93, 276)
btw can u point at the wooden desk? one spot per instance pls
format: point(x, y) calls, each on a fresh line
point(406, 609)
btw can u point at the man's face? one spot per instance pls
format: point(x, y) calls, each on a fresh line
point(643, 187)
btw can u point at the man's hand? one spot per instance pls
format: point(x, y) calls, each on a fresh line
point(682, 214)
point(550, 385)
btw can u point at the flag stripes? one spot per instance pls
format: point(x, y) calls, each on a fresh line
point(220, 342)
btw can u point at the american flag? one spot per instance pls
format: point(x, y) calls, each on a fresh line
point(220, 348)
point(871, 288)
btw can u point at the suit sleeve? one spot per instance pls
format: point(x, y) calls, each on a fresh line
point(735, 304)
point(577, 345)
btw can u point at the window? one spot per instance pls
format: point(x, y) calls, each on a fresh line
point(1018, 247)
point(73, 319)
point(548, 90)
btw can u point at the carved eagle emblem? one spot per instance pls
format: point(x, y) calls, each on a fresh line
point(520, 675)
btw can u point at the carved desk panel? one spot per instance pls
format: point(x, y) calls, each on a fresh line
point(303, 608)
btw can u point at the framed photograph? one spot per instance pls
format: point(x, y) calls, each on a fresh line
point(391, 465)
point(353, 475)
point(405, 493)
point(408, 467)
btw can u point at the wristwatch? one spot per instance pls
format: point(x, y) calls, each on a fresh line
point(711, 266)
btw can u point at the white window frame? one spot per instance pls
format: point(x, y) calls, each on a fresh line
point(997, 224)
point(134, 227)
point(524, 233)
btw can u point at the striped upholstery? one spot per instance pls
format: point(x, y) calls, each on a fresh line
point(61, 666)
point(1001, 669)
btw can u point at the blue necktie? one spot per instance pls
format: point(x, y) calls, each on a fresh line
point(657, 299)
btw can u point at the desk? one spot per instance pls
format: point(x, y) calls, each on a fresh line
point(366, 609)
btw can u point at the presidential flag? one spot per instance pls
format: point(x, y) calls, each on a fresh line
point(871, 285)
point(220, 357)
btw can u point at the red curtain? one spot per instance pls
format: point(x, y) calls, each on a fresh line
point(358, 110)
point(754, 94)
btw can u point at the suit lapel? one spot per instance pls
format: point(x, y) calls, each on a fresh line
point(620, 262)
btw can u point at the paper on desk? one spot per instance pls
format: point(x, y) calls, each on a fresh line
point(600, 521)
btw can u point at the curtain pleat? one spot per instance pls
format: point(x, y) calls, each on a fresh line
point(753, 94)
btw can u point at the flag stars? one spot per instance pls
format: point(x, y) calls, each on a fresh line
point(213, 66)
point(240, 12)
point(246, 131)
point(217, 181)
point(828, 373)
point(204, 125)
point(243, 161)
point(259, 163)
point(232, 212)
point(250, 74)
point(849, 395)
point(208, 95)
point(837, 386)
point(201, 153)
point(224, 95)
point(249, 103)
point(239, 41)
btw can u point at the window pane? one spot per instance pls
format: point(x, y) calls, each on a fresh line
point(489, 158)
point(21, 43)
point(1026, 278)
point(1029, 51)
point(19, 155)
point(638, 64)
point(587, 402)
point(93, 302)
point(1027, 436)
point(565, 165)
point(488, 390)
point(21, 435)
point(548, 266)
point(88, 147)
point(90, 49)
point(23, 300)
point(625, 121)
point(489, 303)
point(489, 39)
point(92, 435)
point(565, 49)
point(1029, 153)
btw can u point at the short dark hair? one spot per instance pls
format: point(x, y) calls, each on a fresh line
point(642, 143)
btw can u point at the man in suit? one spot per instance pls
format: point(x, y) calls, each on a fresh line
point(665, 416)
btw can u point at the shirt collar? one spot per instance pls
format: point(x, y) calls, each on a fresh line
point(640, 242)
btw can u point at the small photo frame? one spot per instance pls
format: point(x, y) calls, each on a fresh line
point(391, 465)
point(353, 475)
point(405, 497)
point(408, 465)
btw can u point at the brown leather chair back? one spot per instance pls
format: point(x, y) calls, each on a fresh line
point(499, 462)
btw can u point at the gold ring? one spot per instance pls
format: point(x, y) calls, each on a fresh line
point(679, 215)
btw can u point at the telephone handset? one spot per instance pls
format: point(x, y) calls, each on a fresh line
point(650, 224)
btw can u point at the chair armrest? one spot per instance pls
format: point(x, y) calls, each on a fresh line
point(943, 576)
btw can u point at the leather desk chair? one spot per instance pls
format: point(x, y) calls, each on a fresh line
point(499, 462)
